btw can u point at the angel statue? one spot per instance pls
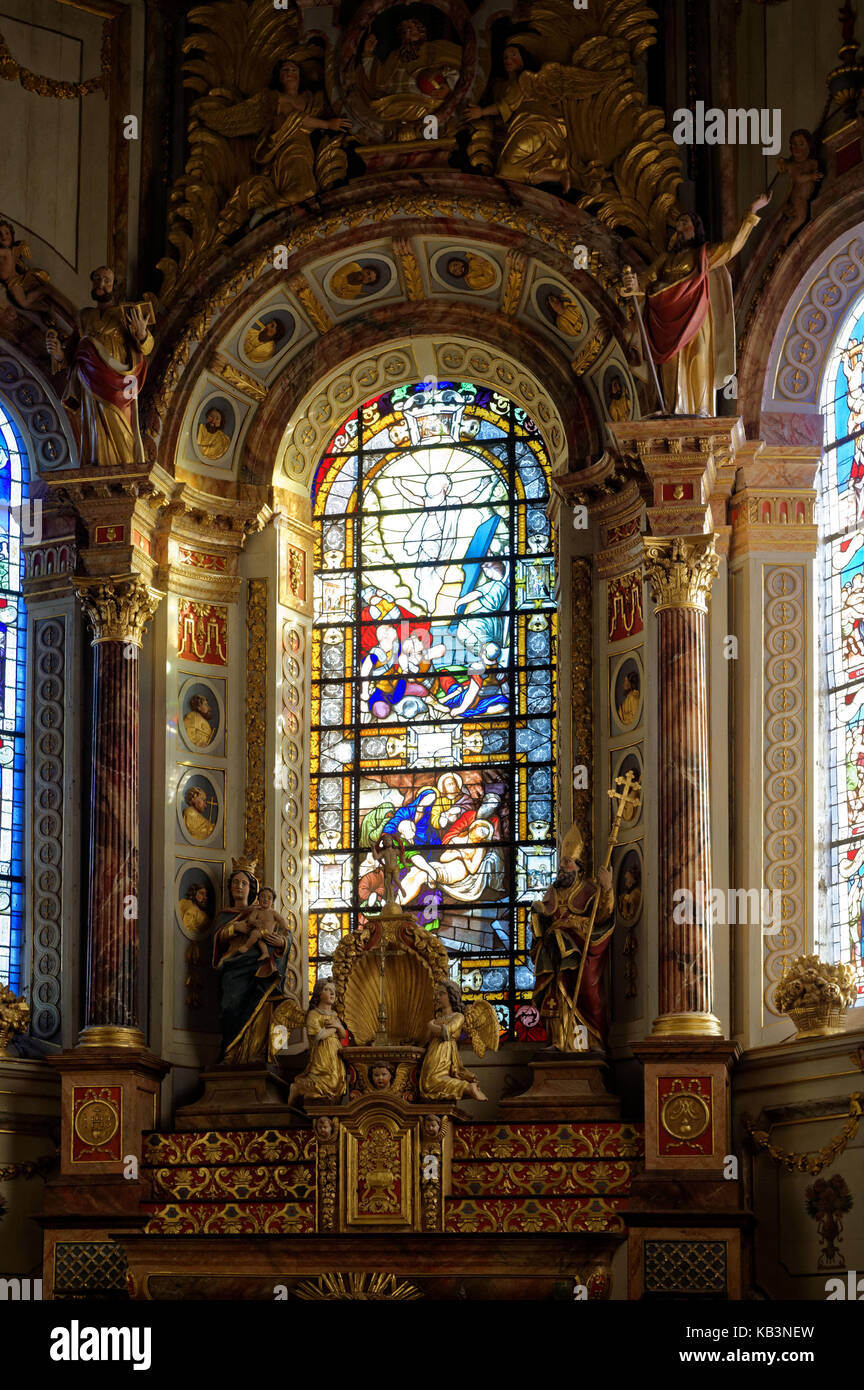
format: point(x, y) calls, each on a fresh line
point(559, 923)
point(573, 114)
point(283, 118)
point(442, 1075)
point(324, 1075)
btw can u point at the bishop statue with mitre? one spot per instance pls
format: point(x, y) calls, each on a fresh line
point(567, 992)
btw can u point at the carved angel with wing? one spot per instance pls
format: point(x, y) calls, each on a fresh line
point(442, 1075)
point(582, 123)
point(258, 137)
point(283, 118)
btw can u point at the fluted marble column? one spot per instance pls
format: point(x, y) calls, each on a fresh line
point(118, 611)
point(680, 571)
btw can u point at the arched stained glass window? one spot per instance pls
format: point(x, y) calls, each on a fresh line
point(841, 504)
point(433, 664)
point(13, 493)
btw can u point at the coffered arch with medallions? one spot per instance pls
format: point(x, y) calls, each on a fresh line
point(501, 273)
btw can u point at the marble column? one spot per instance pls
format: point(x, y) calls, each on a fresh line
point(680, 571)
point(118, 611)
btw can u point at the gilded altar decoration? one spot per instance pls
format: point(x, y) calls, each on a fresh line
point(816, 995)
point(368, 1287)
point(803, 177)
point(323, 1077)
point(442, 1076)
point(681, 570)
point(106, 360)
point(23, 283)
point(566, 108)
point(202, 632)
point(14, 1018)
point(260, 137)
point(96, 1124)
point(685, 1108)
point(118, 610)
point(624, 606)
point(410, 74)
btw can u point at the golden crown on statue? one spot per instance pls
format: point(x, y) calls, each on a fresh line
point(248, 866)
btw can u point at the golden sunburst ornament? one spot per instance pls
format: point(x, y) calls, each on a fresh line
point(371, 1287)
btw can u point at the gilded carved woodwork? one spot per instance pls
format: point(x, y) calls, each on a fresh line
point(248, 385)
point(680, 570)
point(580, 119)
point(118, 609)
point(14, 1018)
point(411, 276)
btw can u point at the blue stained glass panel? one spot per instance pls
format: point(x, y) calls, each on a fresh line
point(13, 510)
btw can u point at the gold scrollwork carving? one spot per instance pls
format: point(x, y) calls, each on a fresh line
point(680, 570)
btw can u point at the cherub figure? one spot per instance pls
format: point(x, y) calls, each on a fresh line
point(25, 287)
point(804, 174)
point(263, 919)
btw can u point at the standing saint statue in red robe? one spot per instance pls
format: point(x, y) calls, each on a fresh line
point(688, 312)
point(107, 371)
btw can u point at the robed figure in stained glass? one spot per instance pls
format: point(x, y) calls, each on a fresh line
point(560, 925)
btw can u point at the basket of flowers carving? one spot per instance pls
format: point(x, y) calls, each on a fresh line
point(816, 995)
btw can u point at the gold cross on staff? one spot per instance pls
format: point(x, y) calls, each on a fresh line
point(629, 795)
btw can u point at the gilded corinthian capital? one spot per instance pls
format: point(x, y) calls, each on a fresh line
point(118, 609)
point(680, 570)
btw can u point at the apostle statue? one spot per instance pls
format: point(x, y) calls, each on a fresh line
point(560, 924)
point(108, 366)
point(688, 312)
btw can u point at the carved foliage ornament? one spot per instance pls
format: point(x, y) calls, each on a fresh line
point(263, 134)
point(680, 570)
point(118, 609)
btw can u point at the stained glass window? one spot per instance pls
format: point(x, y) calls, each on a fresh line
point(434, 664)
point(841, 502)
point(13, 493)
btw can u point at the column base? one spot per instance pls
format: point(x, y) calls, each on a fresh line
point(701, 1025)
point(111, 1035)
